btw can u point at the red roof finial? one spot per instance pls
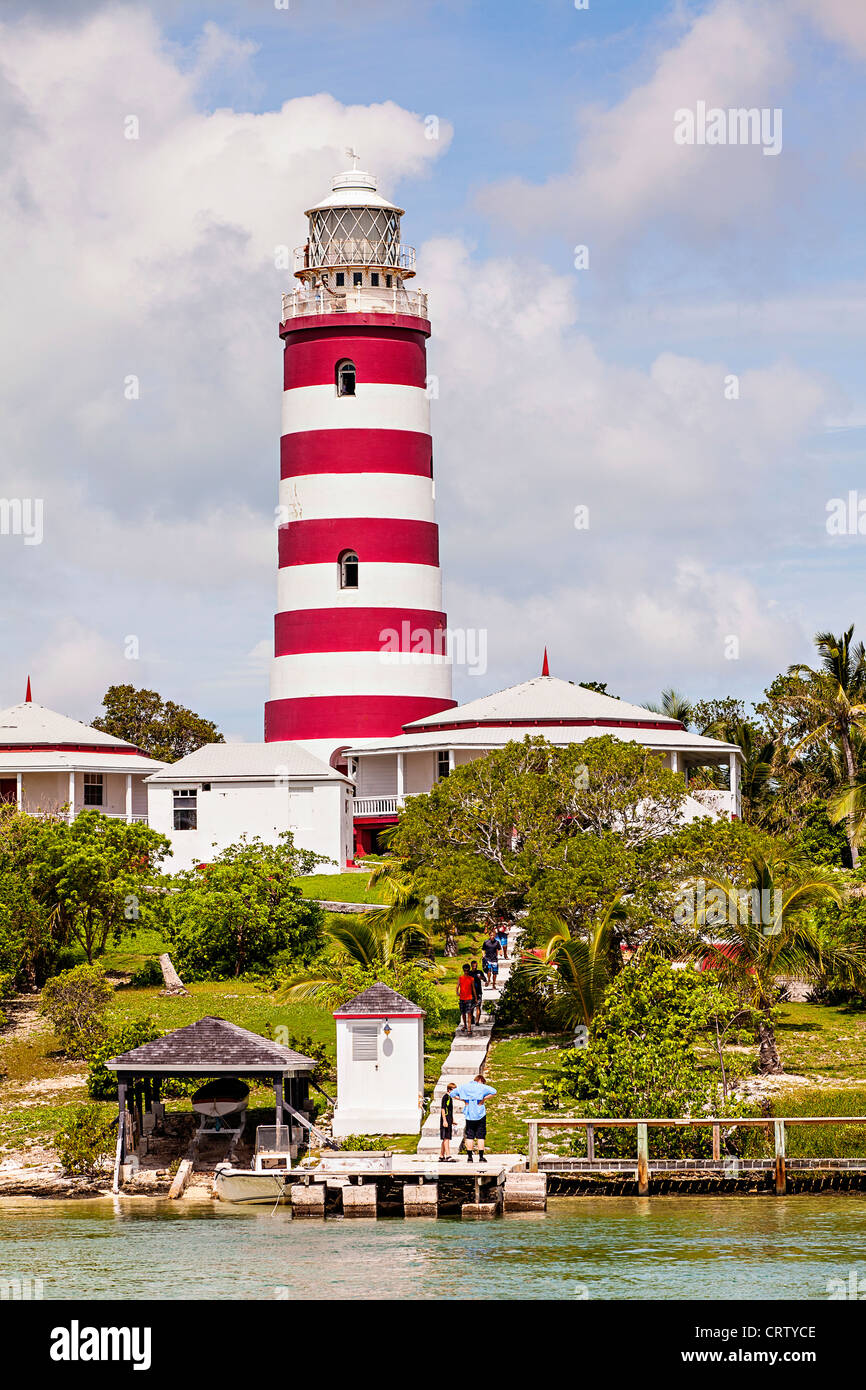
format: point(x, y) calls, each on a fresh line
point(545, 668)
point(28, 698)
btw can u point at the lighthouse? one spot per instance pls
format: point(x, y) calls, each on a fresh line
point(359, 634)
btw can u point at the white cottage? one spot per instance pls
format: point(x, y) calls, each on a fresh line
point(209, 799)
point(53, 765)
point(380, 1064)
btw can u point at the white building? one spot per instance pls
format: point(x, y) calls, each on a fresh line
point(386, 773)
point(380, 1064)
point(223, 791)
point(53, 765)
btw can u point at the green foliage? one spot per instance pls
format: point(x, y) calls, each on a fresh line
point(86, 1140)
point(510, 830)
point(525, 1004)
point(102, 1083)
point(148, 974)
point(365, 1143)
point(31, 937)
point(159, 727)
point(239, 913)
point(94, 877)
point(339, 980)
point(641, 1059)
point(76, 1003)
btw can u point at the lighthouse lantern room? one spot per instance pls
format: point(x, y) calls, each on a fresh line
point(359, 636)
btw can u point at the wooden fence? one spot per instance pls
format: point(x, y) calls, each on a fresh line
point(643, 1127)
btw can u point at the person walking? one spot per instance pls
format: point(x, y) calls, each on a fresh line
point(466, 998)
point(474, 1094)
point(502, 937)
point(490, 956)
point(479, 991)
point(446, 1124)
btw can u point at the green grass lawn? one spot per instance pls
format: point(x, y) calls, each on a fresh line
point(823, 1040)
point(340, 888)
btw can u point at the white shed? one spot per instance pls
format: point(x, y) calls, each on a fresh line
point(380, 1064)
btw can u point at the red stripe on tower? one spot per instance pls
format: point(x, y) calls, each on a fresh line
point(373, 539)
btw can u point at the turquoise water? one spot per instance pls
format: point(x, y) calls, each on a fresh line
point(595, 1248)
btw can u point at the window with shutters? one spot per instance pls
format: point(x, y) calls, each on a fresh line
point(365, 1042)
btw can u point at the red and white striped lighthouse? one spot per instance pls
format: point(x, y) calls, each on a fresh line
point(359, 639)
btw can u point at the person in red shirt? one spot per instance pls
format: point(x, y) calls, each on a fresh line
point(466, 998)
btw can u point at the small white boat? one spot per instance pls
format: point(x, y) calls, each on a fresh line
point(266, 1180)
point(220, 1099)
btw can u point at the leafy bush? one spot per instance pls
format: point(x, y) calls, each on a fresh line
point(102, 1083)
point(76, 1002)
point(641, 1061)
point(86, 1140)
point(364, 1143)
point(148, 974)
point(524, 1004)
point(236, 914)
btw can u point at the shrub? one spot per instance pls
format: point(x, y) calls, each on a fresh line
point(365, 1143)
point(86, 1140)
point(238, 913)
point(524, 1004)
point(76, 1002)
point(640, 1060)
point(148, 974)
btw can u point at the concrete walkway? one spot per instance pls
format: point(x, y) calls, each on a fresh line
point(465, 1060)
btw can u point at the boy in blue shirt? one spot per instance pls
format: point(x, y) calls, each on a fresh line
point(473, 1094)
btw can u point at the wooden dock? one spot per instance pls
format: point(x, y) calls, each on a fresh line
point(410, 1185)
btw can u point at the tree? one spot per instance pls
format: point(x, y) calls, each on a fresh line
point(600, 688)
point(86, 1140)
point(640, 1058)
point(364, 949)
point(674, 705)
point(756, 771)
point(575, 970)
point(76, 1003)
point(93, 876)
point(158, 727)
point(243, 911)
point(31, 935)
point(831, 705)
point(758, 928)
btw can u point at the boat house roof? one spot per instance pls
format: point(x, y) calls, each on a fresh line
point(210, 1047)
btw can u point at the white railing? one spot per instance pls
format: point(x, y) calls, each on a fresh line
point(356, 252)
point(360, 300)
point(376, 805)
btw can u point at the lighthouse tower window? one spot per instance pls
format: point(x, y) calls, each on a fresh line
point(345, 378)
point(348, 570)
point(357, 277)
point(340, 279)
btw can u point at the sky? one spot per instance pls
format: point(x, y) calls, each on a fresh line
point(638, 444)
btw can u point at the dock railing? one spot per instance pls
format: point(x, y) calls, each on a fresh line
point(643, 1126)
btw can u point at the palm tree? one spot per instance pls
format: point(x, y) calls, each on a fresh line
point(576, 969)
point(674, 705)
point(765, 933)
point(373, 941)
point(831, 701)
point(759, 751)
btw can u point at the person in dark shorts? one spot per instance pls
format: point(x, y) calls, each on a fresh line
point(490, 956)
point(474, 1094)
point(446, 1124)
point(466, 998)
point(479, 991)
